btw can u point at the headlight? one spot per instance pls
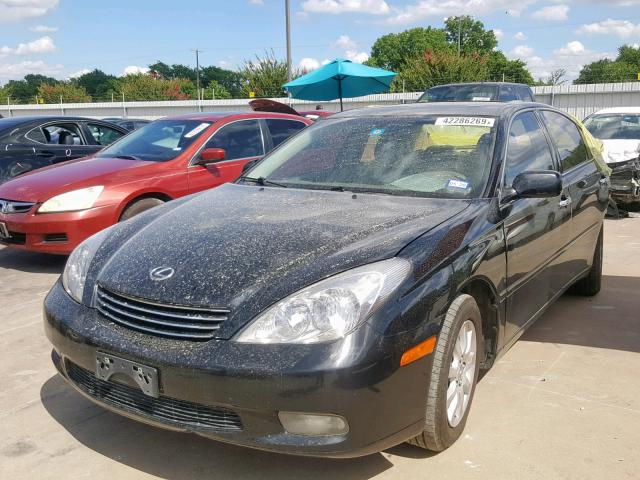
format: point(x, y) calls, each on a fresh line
point(74, 200)
point(329, 309)
point(75, 271)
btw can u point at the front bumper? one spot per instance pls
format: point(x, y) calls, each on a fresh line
point(358, 378)
point(625, 181)
point(57, 233)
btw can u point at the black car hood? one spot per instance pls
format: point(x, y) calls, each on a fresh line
point(245, 247)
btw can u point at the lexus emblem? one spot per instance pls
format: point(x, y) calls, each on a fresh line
point(159, 274)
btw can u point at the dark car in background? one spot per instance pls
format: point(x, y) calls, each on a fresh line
point(29, 143)
point(479, 92)
point(129, 124)
point(342, 295)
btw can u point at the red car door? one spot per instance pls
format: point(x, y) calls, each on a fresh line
point(242, 141)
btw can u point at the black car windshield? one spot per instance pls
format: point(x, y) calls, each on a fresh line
point(614, 127)
point(160, 141)
point(460, 93)
point(427, 156)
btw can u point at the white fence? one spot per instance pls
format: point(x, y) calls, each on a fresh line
point(579, 100)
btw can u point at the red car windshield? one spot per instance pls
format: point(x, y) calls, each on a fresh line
point(160, 141)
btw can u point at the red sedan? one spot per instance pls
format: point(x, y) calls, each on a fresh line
point(54, 209)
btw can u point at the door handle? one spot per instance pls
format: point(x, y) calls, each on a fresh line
point(45, 153)
point(564, 202)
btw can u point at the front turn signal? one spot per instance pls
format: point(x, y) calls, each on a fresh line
point(416, 353)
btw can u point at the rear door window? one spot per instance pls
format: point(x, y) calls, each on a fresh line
point(57, 134)
point(281, 129)
point(104, 135)
point(567, 138)
point(527, 148)
point(241, 139)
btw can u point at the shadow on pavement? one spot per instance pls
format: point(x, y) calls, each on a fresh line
point(172, 455)
point(31, 262)
point(609, 320)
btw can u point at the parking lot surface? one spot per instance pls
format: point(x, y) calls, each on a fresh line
point(564, 402)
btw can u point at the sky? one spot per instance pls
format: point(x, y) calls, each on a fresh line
point(63, 38)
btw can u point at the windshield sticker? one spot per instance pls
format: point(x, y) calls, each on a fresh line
point(481, 99)
point(196, 130)
point(466, 121)
point(458, 184)
point(376, 132)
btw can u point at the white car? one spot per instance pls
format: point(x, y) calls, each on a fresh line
point(619, 130)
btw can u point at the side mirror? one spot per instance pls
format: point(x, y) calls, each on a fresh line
point(535, 184)
point(211, 155)
point(249, 165)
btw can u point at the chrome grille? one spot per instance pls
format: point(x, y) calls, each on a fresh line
point(165, 320)
point(163, 409)
point(10, 206)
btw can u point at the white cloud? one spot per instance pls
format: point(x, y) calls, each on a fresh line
point(79, 73)
point(335, 7)
point(522, 51)
point(498, 33)
point(17, 71)
point(520, 36)
point(14, 10)
point(308, 64)
point(571, 57)
point(134, 70)
point(43, 29)
point(345, 43)
point(444, 8)
point(571, 48)
point(39, 46)
point(619, 28)
point(256, 2)
point(357, 57)
point(552, 13)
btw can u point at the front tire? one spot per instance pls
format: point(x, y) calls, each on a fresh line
point(454, 375)
point(140, 206)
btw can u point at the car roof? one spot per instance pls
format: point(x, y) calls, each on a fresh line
point(215, 116)
point(48, 118)
point(614, 110)
point(481, 83)
point(496, 109)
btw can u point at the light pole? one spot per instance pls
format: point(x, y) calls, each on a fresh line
point(197, 71)
point(288, 22)
point(459, 34)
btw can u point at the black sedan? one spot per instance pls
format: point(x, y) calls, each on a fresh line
point(341, 297)
point(130, 124)
point(28, 143)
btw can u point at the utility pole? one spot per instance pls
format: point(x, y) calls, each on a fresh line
point(459, 34)
point(198, 70)
point(288, 22)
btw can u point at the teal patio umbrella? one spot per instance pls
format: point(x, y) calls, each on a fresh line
point(340, 79)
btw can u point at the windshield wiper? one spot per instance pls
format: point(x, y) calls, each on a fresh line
point(128, 157)
point(263, 181)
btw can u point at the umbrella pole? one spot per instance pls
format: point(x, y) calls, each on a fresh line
point(340, 93)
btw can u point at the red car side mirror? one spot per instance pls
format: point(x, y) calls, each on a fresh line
point(211, 155)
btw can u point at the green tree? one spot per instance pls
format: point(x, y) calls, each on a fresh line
point(265, 76)
point(629, 54)
point(68, 91)
point(474, 38)
point(143, 87)
point(394, 50)
point(25, 90)
point(434, 68)
point(607, 71)
point(98, 84)
point(214, 88)
point(503, 69)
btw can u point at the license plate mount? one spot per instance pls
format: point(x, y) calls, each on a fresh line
point(145, 377)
